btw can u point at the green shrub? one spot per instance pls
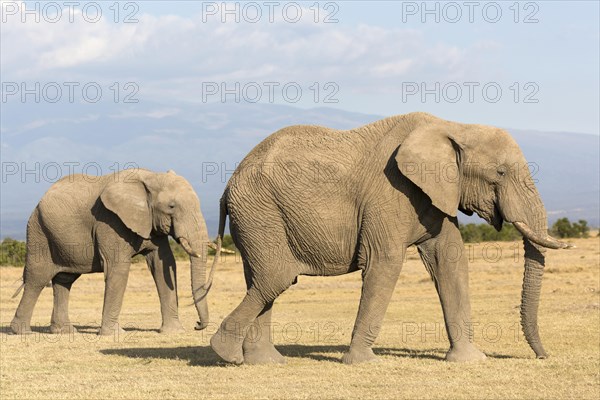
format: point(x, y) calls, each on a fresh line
point(12, 252)
point(473, 233)
point(563, 228)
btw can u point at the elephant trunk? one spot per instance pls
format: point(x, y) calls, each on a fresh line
point(534, 242)
point(198, 254)
point(531, 221)
point(530, 296)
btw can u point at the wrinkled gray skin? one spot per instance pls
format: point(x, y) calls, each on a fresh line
point(86, 224)
point(315, 201)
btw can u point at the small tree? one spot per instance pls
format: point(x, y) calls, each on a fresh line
point(582, 228)
point(470, 233)
point(474, 233)
point(563, 228)
point(12, 252)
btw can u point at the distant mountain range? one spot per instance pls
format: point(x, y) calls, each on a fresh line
point(204, 143)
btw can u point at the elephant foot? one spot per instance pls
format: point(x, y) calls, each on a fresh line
point(20, 328)
point(228, 346)
point(170, 328)
point(267, 354)
point(359, 355)
point(200, 326)
point(67, 328)
point(464, 354)
point(114, 330)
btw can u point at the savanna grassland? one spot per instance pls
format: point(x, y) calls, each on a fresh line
point(312, 327)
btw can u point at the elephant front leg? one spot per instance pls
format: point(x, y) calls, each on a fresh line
point(116, 276)
point(447, 261)
point(164, 271)
point(61, 286)
point(379, 281)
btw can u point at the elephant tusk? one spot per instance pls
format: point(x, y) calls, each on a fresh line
point(548, 241)
point(214, 247)
point(188, 249)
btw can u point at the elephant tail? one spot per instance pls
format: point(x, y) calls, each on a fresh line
point(19, 288)
point(218, 248)
point(222, 217)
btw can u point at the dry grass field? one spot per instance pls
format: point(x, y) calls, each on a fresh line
point(313, 323)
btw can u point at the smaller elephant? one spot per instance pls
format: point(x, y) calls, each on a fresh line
point(85, 224)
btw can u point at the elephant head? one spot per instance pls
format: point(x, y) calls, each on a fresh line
point(152, 204)
point(481, 169)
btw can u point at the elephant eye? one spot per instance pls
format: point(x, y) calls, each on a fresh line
point(501, 172)
point(172, 205)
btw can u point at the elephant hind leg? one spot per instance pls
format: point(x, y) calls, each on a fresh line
point(36, 279)
point(258, 345)
point(61, 286)
point(228, 341)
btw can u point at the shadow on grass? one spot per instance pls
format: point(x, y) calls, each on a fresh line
point(34, 329)
point(506, 356)
point(126, 327)
point(316, 352)
point(89, 329)
point(195, 355)
point(204, 355)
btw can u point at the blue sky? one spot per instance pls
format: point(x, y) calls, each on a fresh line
point(559, 52)
point(381, 56)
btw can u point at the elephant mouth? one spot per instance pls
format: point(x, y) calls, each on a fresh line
point(497, 220)
point(493, 217)
point(465, 211)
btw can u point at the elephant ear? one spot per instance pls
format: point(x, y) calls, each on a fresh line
point(129, 200)
point(430, 158)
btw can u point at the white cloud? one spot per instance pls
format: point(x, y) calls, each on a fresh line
point(171, 56)
point(158, 113)
point(37, 49)
point(392, 69)
point(40, 123)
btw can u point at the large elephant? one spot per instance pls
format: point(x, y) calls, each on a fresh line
point(86, 224)
point(315, 201)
